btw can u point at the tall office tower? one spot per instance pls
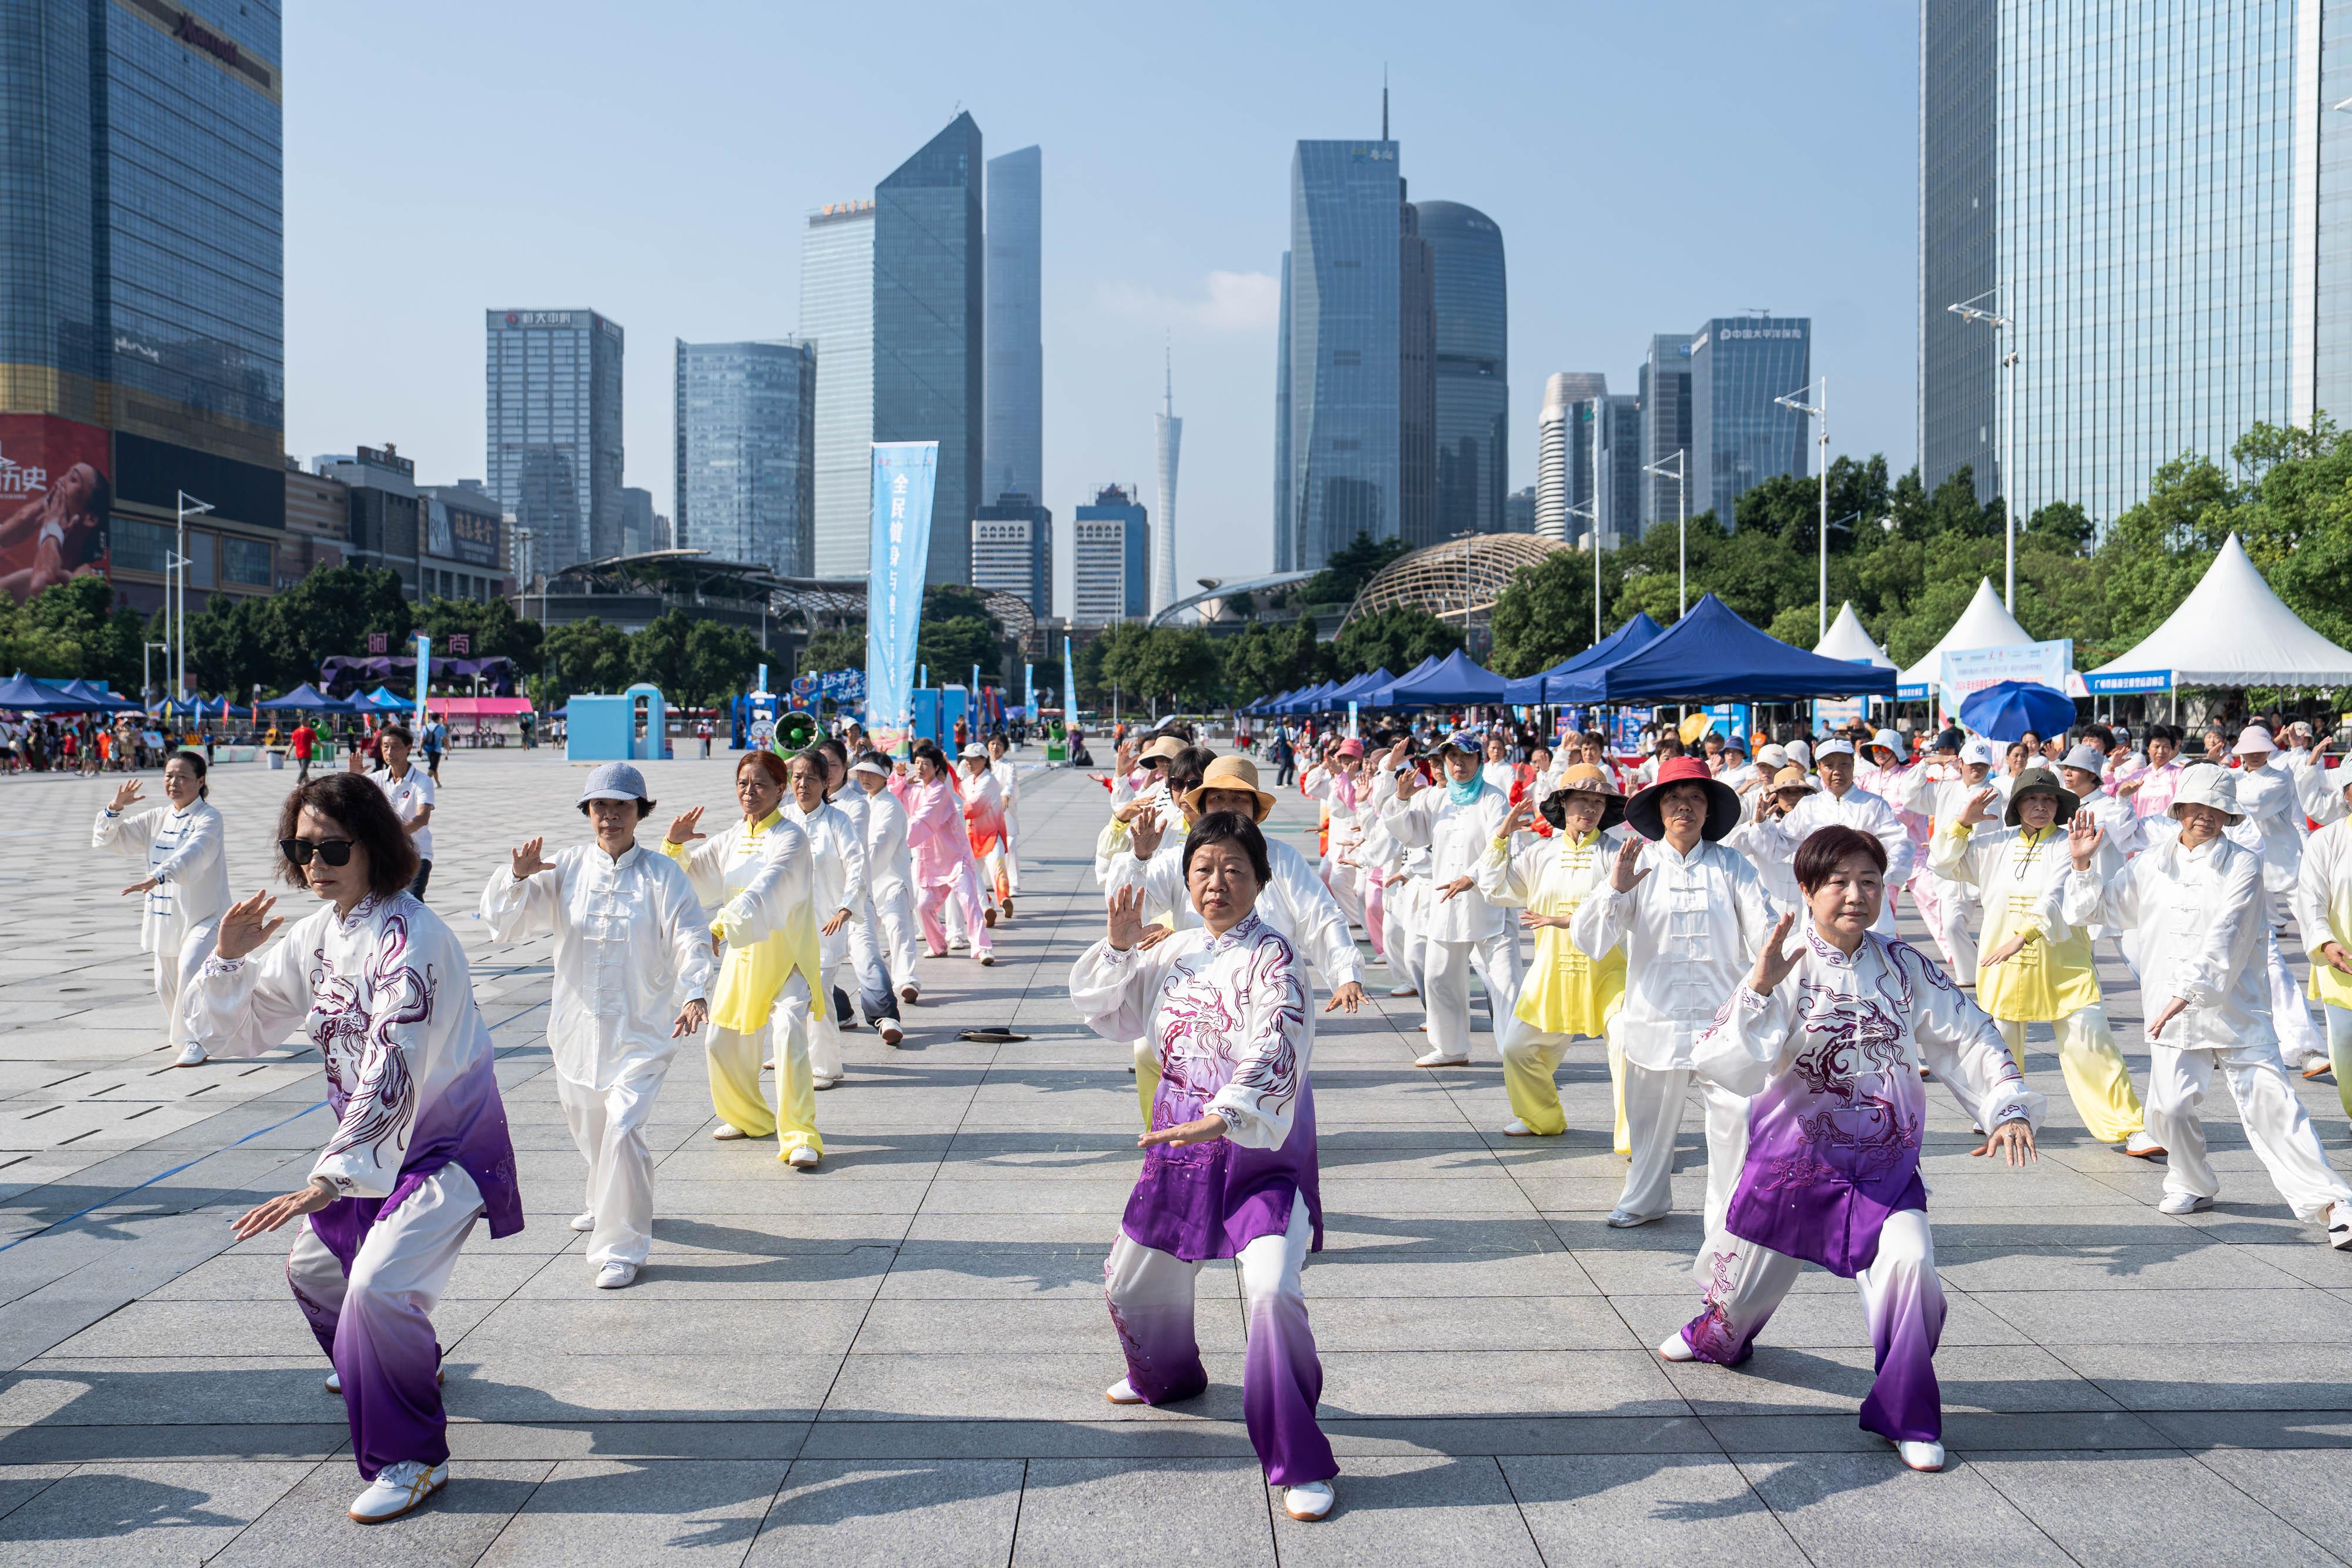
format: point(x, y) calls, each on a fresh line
point(1169, 432)
point(1012, 549)
point(554, 417)
point(1519, 511)
point(1015, 392)
point(1473, 374)
point(1739, 436)
point(1556, 465)
point(1345, 247)
point(1621, 468)
point(636, 520)
point(1284, 550)
point(141, 288)
point(746, 477)
point(929, 333)
point(1416, 381)
point(1111, 569)
point(837, 321)
point(1665, 394)
point(2154, 197)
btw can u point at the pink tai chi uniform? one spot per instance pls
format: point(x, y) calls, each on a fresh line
point(944, 866)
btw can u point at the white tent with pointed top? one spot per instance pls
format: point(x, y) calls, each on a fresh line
point(1985, 623)
point(2232, 631)
point(1847, 641)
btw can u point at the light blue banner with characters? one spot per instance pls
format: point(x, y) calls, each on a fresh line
point(1970, 670)
point(904, 474)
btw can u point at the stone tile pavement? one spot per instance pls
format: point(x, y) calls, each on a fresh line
point(900, 1358)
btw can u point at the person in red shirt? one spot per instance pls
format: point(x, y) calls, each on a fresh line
point(304, 740)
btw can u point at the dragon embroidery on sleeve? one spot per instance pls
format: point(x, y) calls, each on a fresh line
point(355, 1025)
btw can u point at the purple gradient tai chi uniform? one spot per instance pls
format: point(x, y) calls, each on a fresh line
point(420, 1150)
point(1229, 1018)
point(1831, 1059)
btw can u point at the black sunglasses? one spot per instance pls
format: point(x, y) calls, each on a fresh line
point(335, 852)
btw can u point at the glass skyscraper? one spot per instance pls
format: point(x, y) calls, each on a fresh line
point(746, 480)
point(1416, 380)
point(1343, 477)
point(1473, 376)
point(141, 281)
point(553, 411)
point(837, 320)
point(1284, 523)
point(1110, 559)
point(928, 331)
point(1665, 395)
point(1739, 436)
point(1016, 458)
point(2146, 191)
point(1012, 549)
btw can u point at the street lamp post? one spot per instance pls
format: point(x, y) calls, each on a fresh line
point(188, 506)
point(1968, 311)
point(1820, 412)
point(1682, 525)
point(1590, 511)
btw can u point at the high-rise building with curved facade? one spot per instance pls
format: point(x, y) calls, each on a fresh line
point(1473, 380)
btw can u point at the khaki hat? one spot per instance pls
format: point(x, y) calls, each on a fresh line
point(1792, 777)
point(1230, 772)
point(1583, 780)
point(1166, 747)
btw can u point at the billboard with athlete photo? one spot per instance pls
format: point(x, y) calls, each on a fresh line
point(55, 491)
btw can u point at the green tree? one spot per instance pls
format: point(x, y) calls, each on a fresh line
point(721, 663)
point(586, 656)
point(957, 632)
point(1394, 639)
point(842, 650)
point(72, 631)
point(1347, 570)
point(1169, 668)
point(1544, 614)
point(1263, 660)
point(494, 629)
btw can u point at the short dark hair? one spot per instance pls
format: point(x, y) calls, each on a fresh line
point(355, 804)
point(195, 760)
point(1229, 828)
point(398, 732)
point(645, 808)
point(1187, 768)
point(1825, 848)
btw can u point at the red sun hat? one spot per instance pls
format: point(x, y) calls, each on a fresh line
point(1722, 801)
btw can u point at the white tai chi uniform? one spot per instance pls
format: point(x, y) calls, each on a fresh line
point(877, 997)
point(1857, 808)
point(182, 911)
point(1957, 903)
point(1348, 797)
point(890, 883)
point(1007, 854)
point(1691, 928)
point(1463, 931)
point(2323, 913)
point(1382, 858)
point(2271, 802)
point(2195, 922)
point(631, 950)
point(836, 882)
point(1294, 902)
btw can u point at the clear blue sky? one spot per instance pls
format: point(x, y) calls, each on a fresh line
point(1651, 165)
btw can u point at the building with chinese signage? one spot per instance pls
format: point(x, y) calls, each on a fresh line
point(554, 431)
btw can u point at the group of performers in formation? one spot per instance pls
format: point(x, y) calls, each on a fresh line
point(1721, 924)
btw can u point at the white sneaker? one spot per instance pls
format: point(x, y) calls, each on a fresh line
point(803, 1158)
point(191, 1055)
point(1122, 1393)
point(910, 992)
point(725, 1134)
point(1674, 1347)
point(987, 960)
point(583, 1221)
point(335, 1380)
point(2140, 1146)
point(1308, 1502)
point(891, 1033)
point(397, 1488)
point(1403, 991)
point(1626, 1219)
point(1435, 1058)
point(1922, 1456)
point(816, 1082)
point(769, 1065)
point(2183, 1202)
point(2339, 1226)
point(616, 1275)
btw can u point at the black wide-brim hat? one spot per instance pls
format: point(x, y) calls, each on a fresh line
point(2034, 778)
point(1722, 801)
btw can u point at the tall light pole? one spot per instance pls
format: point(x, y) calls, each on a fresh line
point(1819, 410)
point(1590, 511)
point(1682, 525)
point(1968, 310)
point(188, 507)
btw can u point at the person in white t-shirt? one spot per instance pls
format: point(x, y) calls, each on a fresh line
point(411, 790)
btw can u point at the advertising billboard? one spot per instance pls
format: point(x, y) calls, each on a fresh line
point(56, 492)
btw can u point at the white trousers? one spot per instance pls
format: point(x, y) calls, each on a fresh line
point(1346, 881)
point(894, 915)
point(2301, 1039)
point(1445, 986)
point(608, 1128)
point(1955, 936)
point(1401, 903)
point(1655, 1099)
point(2276, 1124)
point(173, 972)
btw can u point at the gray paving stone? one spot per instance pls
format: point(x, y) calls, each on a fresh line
point(591, 1512)
point(1089, 1511)
point(143, 1512)
point(1431, 1510)
point(311, 1523)
point(1867, 1509)
point(944, 1512)
point(2098, 1509)
point(1627, 1511)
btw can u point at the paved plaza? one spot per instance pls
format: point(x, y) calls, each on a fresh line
point(900, 1359)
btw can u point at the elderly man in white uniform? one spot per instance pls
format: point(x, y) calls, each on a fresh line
point(1845, 803)
point(1455, 822)
point(633, 971)
point(889, 875)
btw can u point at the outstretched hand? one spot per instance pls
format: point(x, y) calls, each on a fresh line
point(1145, 832)
point(690, 1019)
point(528, 862)
point(1208, 1129)
point(1521, 815)
point(2083, 840)
point(2014, 1139)
point(246, 925)
point(1124, 928)
point(1350, 996)
point(2004, 953)
point(682, 827)
point(1980, 807)
point(126, 795)
point(1772, 964)
point(1623, 876)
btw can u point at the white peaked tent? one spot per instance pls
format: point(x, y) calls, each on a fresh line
point(2232, 631)
point(1848, 642)
point(1985, 623)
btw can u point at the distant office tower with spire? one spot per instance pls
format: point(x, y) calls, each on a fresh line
point(1556, 463)
point(1015, 390)
point(837, 320)
point(1472, 320)
point(1170, 432)
point(929, 331)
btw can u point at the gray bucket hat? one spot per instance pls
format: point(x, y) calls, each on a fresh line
point(614, 781)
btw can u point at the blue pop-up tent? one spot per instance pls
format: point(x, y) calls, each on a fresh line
point(1379, 696)
point(1713, 655)
point(1632, 637)
point(22, 694)
point(1310, 700)
point(307, 698)
point(1453, 680)
point(1360, 689)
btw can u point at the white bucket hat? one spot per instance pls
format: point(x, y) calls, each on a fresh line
point(2208, 786)
point(1979, 751)
point(1890, 740)
point(1801, 753)
point(2254, 741)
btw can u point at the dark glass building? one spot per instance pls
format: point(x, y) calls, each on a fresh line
point(746, 462)
point(1285, 525)
point(1665, 394)
point(1958, 361)
point(1739, 436)
point(1016, 459)
point(1416, 381)
point(553, 409)
point(1345, 321)
point(1474, 377)
point(930, 305)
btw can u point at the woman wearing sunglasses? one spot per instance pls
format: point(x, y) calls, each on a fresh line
point(185, 887)
point(379, 985)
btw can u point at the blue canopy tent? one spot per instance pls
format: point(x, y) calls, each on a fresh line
point(1271, 705)
point(1455, 680)
point(93, 697)
point(22, 694)
point(1379, 696)
point(1713, 655)
point(382, 699)
point(1632, 637)
point(1360, 688)
point(202, 706)
point(307, 698)
point(1309, 701)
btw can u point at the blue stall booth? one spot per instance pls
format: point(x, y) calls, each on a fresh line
point(630, 727)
